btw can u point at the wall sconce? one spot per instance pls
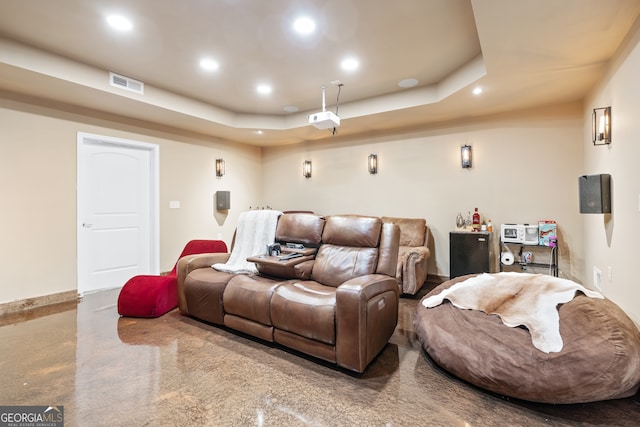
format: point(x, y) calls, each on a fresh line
point(601, 126)
point(306, 168)
point(219, 168)
point(465, 156)
point(373, 163)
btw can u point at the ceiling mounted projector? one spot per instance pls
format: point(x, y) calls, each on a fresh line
point(324, 119)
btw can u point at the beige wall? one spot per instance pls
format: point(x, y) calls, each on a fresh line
point(525, 168)
point(38, 181)
point(611, 241)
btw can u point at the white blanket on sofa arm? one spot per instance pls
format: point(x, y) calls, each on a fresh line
point(256, 229)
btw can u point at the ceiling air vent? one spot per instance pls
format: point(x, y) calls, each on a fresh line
point(126, 83)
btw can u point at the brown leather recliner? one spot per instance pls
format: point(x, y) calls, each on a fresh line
point(298, 227)
point(411, 271)
point(341, 307)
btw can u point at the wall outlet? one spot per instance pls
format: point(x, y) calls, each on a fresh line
point(597, 278)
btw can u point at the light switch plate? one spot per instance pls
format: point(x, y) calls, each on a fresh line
point(597, 278)
point(174, 204)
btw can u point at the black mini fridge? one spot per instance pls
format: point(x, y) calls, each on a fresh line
point(469, 253)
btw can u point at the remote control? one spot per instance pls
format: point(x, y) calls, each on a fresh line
point(289, 256)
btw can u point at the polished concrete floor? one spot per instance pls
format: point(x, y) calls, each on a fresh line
point(176, 371)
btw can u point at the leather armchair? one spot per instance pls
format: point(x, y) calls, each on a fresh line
point(348, 310)
point(413, 255)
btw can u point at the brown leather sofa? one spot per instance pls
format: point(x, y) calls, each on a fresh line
point(411, 271)
point(339, 304)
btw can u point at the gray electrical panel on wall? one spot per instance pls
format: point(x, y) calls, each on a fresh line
point(223, 200)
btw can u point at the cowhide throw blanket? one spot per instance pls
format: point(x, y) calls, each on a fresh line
point(518, 299)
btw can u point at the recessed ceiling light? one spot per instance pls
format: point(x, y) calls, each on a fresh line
point(119, 23)
point(263, 89)
point(209, 64)
point(259, 132)
point(291, 109)
point(349, 64)
point(408, 83)
point(477, 90)
point(304, 25)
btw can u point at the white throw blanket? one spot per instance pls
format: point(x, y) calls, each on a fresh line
point(519, 299)
point(256, 229)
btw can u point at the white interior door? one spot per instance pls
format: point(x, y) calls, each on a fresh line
point(117, 211)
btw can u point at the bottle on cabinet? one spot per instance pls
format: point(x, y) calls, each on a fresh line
point(476, 220)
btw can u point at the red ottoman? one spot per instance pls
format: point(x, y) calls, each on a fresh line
point(148, 296)
point(153, 296)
